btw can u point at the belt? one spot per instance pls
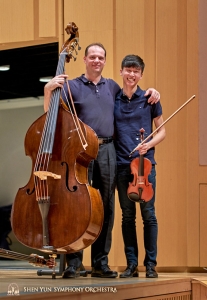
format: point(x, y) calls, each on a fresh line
point(105, 140)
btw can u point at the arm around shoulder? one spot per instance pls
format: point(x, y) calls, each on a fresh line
point(154, 95)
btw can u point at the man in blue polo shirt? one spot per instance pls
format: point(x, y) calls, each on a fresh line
point(94, 98)
point(132, 112)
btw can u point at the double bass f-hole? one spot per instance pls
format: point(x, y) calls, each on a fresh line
point(140, 189)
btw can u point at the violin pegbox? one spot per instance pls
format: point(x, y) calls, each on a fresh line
point(69, 47)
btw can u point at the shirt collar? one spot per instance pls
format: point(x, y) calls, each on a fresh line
point(123, 96)
point(86, 81)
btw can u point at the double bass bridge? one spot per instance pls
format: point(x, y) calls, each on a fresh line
point(44, 174)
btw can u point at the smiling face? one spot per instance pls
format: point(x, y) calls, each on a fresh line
point(131, 76)
point(95, 61)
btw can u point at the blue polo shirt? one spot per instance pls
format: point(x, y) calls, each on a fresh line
point(130, 116)
point(94, 103)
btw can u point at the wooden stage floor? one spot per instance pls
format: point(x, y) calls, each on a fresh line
point(20, 279)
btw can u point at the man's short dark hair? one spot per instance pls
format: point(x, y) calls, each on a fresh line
point(133, 61)
point(94, 44)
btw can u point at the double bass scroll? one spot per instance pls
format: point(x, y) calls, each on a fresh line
point(57, 211)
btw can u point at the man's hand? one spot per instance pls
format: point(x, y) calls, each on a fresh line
point(155, 95)
point(57, 81)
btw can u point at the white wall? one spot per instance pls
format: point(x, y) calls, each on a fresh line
point(16, 116)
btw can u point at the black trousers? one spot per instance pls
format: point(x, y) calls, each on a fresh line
point(102, 176)
point(5, 226)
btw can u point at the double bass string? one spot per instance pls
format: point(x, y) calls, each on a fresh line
point(44, 151)
point(47, 139)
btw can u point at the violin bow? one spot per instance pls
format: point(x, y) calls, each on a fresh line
point(149, 136)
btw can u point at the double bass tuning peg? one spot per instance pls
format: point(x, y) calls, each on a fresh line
point(69, 57)
point(74, 58)
point(72, 47)
point(79, 48)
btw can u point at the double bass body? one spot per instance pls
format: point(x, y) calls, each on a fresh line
point(75, 214)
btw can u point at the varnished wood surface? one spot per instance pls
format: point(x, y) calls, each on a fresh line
point(29, 285)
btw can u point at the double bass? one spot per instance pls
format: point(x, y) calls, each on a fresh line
point(57, 211)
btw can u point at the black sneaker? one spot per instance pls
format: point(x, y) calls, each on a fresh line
point(71, 272)
point(104, 272)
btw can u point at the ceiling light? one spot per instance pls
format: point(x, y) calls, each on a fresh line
point(5, 68)
point(45, 79)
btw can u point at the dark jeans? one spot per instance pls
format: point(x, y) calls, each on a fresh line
point(129, 219)
point(102, 176)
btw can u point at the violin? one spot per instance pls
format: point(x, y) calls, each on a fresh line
point(57, 211)
point(140, 189)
